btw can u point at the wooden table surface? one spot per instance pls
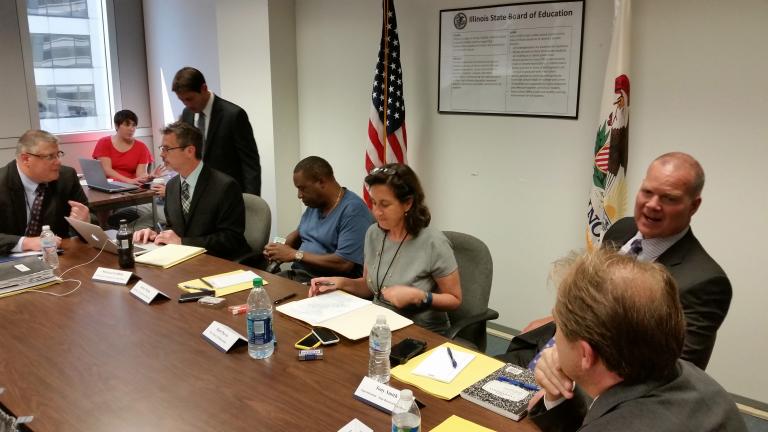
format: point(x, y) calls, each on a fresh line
point(101, 360)
point(102, 203)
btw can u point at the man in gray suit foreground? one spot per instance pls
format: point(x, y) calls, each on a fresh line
point(615, 365)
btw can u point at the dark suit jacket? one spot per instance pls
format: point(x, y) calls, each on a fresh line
point(13, 205)
point(690, 401)
point(216, 218)
point(229, 145)
point(705, 291)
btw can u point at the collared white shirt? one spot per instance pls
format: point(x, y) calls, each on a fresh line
point(192, 179)
point(653, 247)
point(207, 111)
point(30, 191)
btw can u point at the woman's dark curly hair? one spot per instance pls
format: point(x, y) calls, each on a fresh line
point(405, 186)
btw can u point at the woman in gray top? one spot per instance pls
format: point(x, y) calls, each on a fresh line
point(409, 267)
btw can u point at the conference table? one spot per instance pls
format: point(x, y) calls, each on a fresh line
point(99, 359)
point(102, 203)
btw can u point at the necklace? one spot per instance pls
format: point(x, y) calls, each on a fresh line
point(338, 198)
point(380, 283)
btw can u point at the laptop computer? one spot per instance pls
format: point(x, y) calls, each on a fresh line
point(96, 237)
point(96, 179)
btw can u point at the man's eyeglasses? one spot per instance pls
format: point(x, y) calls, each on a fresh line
point(48, 157)
point(383, 170)
point(166, 149)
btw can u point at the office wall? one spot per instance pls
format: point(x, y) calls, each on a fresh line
point(521, 184)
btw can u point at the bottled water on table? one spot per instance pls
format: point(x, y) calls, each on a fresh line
point(379, 345)
point(48, 245)
point(261, 339)
point(406, 416)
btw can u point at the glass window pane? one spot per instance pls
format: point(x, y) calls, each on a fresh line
point(63, 50)
point(79, 9)
point(59, 8)
point(83, 51)
point(36, 7)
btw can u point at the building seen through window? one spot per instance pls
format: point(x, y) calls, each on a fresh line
point(70, 59)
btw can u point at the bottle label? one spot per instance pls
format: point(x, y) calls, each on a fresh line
point(259, 331)
point(124, 244)
point(395, 428)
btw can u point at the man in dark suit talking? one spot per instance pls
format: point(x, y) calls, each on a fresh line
point(203, 207)
point(228, 142)
point(660, 231)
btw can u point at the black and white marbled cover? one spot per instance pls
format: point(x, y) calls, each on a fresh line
point(502, 397)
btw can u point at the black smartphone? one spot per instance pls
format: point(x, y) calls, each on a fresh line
point(308, 342)
point(405, 350)
point(326, 336)
point(193, 296)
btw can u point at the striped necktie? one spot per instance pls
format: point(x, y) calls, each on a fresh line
point(36, 212)
point(185, 197)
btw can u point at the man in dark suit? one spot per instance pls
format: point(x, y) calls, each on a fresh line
point(626, 366)
point(203, 207)
point(660, 231)
point(228, 142)
point(36, 190)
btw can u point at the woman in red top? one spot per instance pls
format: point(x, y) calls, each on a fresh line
point(123, 157)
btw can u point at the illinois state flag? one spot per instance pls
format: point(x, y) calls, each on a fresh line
point(387, 140)
point(608, 198)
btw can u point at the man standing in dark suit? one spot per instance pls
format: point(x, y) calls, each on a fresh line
point(228, 142)
point(660, 232)
point(203, 207)
point(36, 190)
point(625, 366)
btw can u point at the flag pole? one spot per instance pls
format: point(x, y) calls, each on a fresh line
point(385, 76)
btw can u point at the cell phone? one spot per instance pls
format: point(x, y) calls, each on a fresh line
point(326, 336)
point(406, 350)
point(193, 296)
point(309, 341)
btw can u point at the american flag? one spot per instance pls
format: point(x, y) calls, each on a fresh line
point(387, 103)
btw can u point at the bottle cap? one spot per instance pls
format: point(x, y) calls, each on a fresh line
point(158, 180)
point(381, 319)
point(257, 282)
point(46, 227)
point(406, 394)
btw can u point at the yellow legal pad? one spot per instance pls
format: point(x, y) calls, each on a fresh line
point(480, 367)
point(455, 423)
point(169, 255)
point(190, 285)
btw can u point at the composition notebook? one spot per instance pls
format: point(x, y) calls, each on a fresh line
point(504, 391)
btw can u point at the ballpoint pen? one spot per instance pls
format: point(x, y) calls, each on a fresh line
point(325, 283)
point(450, 354)
point(281, 299)
point(199, 288)
point(206, 282)
point(525, 385)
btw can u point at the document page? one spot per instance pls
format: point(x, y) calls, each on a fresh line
point(314, 310)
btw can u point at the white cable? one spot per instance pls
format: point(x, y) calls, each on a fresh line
point(79, 283)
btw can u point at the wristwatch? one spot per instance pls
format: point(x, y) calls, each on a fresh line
point(427, 301)
point(298, 256)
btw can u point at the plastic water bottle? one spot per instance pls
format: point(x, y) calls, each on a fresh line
point(406, 416)
point(125, 245)
point(379, 345)
point(48, 245)
point(261, 338)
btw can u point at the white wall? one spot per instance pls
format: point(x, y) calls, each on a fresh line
point(521, 184)
point(172, 30)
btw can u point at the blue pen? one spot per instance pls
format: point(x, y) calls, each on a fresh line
point(159, 227)
point(453, 360)
point(524, 385)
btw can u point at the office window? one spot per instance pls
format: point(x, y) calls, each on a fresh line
point(71, 63)
point(61, 8)
point(61, 51)
point(66, 101)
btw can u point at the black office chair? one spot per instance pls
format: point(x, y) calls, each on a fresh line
point(258, 223)
point(476, 274)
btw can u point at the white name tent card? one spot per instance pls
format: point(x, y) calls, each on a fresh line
point(109, 275)
point(377, 395)
point(355, 426)
point(223, 337)
point(147, 293)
